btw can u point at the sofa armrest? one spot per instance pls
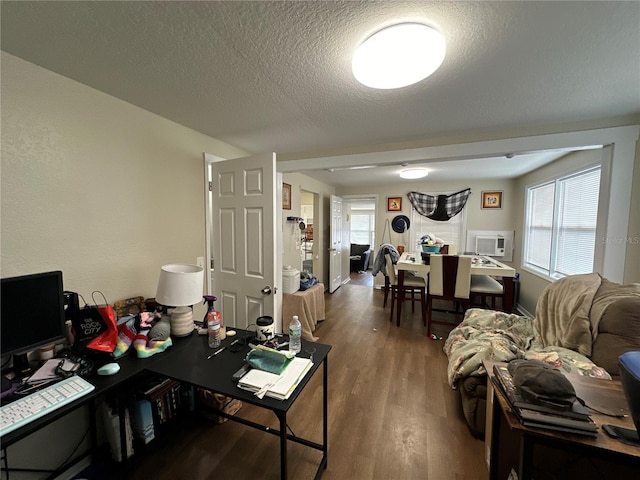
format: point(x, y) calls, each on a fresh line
point(473, 393)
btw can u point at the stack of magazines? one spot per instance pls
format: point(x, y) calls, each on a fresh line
point(575, 420)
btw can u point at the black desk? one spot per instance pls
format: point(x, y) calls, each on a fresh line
point(187, 362)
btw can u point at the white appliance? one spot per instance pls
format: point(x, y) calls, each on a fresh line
point(490, 245)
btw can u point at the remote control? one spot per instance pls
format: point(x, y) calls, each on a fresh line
point(241, 372)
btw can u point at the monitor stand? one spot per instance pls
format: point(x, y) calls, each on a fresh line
point(21, 366)
point(6, 384)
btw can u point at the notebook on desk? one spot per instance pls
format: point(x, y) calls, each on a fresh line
point(283, 384)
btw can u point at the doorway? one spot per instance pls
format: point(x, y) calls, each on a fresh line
point(361, 222)
point(309, 205)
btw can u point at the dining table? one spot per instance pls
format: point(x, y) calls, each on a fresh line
point(480, 265)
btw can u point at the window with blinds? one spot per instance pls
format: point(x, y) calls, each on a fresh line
point(453, 232)
point(363, 228)
point(560, 224)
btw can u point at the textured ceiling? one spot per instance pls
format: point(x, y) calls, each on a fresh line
point(275, 76)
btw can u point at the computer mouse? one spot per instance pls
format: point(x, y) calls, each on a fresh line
point(109, 369)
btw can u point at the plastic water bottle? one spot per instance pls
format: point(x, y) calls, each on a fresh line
point(213, 330)
point(295, 332)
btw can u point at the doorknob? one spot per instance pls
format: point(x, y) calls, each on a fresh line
point(267, 290)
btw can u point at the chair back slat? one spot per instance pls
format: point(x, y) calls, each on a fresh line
point(449, 276)
point(436, 276)
point(463, 278)
point(391, 272)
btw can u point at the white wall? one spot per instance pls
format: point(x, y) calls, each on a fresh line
point(98, 188)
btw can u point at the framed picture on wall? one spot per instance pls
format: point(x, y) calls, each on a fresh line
point(394, 204)
point(491, 199)
point(286, 196)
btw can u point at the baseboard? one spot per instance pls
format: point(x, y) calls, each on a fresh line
point(524, 312)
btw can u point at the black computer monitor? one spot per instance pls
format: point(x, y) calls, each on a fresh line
point(32, 312)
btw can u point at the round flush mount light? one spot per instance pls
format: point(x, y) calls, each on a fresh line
point(413, 173)
point(398, 56)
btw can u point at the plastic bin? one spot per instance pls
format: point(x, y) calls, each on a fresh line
point(290, 280)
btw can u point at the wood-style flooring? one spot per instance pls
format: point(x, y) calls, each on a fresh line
point(392, 414)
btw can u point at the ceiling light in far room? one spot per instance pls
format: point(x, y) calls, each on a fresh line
point(413, 173)
point(398, 56)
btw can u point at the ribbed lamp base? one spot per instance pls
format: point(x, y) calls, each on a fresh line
point(182, 321)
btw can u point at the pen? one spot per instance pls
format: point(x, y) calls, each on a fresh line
point(216, 352)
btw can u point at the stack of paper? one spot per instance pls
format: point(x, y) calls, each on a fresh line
point(283, 385)
point(48, 370)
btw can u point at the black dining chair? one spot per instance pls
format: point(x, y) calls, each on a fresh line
point(411, 285)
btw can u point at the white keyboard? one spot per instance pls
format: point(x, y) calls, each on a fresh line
point(35, 405)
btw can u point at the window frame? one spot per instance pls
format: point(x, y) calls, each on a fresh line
point(552, 273)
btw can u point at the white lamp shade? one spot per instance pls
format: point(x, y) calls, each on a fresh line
point(180, 285)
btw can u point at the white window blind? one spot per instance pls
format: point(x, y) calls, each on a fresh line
point(362, 228)
point(577, 219)
point(560, 228)
point(540, 216)
point(452, 231)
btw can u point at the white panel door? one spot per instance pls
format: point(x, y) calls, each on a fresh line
point(335, 250)
point(244, 238)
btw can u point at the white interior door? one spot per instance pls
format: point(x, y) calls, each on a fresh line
point(243, 238)
point(335, 249)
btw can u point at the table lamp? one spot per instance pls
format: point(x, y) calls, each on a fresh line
point(180, 286)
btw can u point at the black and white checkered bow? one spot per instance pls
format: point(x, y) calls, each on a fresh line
point(441, 207)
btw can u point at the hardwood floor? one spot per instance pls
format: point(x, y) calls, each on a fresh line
point(392, 414)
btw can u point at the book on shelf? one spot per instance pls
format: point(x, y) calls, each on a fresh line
point(142, 420)
point(164, 395)
point(505, 382)
point(283, 385)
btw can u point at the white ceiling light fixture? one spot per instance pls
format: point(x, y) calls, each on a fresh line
point(398, 56)
point(413, 173)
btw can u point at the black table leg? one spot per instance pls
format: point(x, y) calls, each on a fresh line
point(283, 445)
point(325, 397)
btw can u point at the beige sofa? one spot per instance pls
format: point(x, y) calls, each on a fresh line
point(582, 324)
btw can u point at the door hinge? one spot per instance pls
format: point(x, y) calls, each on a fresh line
point(212, 264)
point(211, 186)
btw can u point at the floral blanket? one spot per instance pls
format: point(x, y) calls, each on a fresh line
point(502, 337)
point(485, 335)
